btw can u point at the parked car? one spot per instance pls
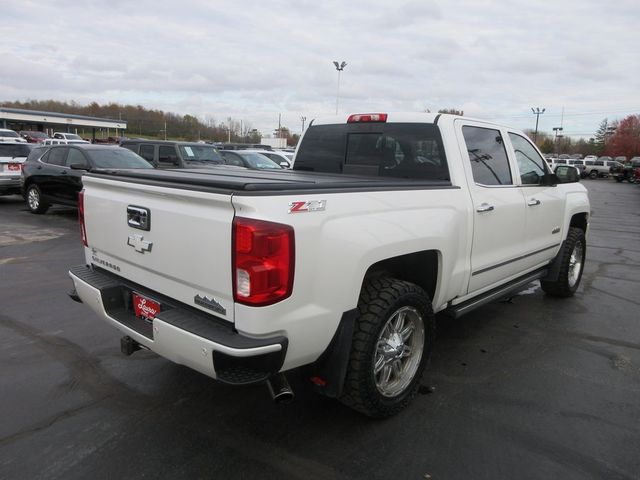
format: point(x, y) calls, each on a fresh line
point(596, 168)
point(251, 160)
point(621, 158)
point(32, 136)
point(7, 135)
point(285, 160)
point(67, 136)
point(629, 171)
point(590, 157)
point(63, 141)
point(53, 175)
point(579, 164)
point(169, 154)
point(12, 156)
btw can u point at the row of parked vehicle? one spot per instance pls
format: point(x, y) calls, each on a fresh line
point(592, 166)
point(51, 173)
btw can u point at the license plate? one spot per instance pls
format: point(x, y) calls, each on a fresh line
point(144, 307)
point(15, 167)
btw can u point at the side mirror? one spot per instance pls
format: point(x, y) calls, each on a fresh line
point(567, 174)
point(79, 166)
point(284, 164)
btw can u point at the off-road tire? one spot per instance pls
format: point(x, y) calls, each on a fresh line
point(34, 200)
point(564, 286)
point(380, 298)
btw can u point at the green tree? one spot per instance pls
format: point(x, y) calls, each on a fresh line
point(600, 138)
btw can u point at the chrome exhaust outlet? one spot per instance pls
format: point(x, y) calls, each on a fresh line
point(280, 389)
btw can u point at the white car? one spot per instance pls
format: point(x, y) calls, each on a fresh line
point(7, 135)
point(62, 141)
point(12, 156)
point(283, 159)
point(67, 136)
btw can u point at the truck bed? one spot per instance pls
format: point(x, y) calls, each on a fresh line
point(249, 181)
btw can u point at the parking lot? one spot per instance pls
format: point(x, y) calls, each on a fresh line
point(530, 387)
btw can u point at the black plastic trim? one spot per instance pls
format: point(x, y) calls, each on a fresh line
point(332, 365)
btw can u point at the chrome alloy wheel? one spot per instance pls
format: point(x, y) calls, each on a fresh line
point(575, 264)
point(399, 351)
point(33, 199)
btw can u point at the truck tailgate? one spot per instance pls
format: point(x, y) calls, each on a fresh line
point(185, 252)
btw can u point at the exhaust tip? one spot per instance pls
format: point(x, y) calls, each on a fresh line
point(280, 389)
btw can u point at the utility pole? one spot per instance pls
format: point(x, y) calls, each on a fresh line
point(279, 125)
point(537, 112)
point(339, 68)
point(304, 119)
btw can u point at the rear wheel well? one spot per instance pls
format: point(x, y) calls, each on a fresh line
point(419, 268)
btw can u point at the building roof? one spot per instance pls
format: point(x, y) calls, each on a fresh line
point(58, 118)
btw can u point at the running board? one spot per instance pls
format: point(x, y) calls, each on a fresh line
point(513, 286)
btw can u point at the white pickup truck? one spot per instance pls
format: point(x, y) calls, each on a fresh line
point(338, 265)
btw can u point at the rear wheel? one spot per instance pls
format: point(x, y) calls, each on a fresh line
point(571, 257)
point(392, 343)
point(593, 174)
point(34, 200)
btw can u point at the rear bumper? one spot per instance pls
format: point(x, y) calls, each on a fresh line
point(10, 184)
point(180, 334)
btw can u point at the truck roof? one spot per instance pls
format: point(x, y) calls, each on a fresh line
point(399, 117)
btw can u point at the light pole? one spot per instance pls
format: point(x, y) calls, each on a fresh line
point(556, 136)
point(339, 68)
point(537, 112)
point(304, 119)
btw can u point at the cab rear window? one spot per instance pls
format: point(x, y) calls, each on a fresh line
point(400, 150)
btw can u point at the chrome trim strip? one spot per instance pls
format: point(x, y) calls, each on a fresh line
point(502, 264)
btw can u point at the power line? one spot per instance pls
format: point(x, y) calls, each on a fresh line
point(621, 112)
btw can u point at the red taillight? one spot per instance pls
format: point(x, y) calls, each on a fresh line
point(83, 229)
point(263, 261)
point(367, 117)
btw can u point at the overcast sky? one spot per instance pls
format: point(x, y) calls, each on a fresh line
point(252, 60)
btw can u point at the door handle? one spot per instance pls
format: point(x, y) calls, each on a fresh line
point(485, 207)
point(64, 172)
point(533, 202)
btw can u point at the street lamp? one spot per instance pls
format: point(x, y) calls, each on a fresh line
point(537, 112)
point(304, 119)
point(556, 136)
point(339, 68)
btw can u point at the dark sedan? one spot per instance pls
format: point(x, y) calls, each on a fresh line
point(53, 175)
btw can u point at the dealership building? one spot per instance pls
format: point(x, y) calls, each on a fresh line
point(19, 119)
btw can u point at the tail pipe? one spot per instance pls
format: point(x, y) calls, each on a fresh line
point(280, 389)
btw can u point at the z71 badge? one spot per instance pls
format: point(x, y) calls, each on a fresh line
point(310, 206)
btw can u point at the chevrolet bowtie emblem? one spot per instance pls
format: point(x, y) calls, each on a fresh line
point(139, 243)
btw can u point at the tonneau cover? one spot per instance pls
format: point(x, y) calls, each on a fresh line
point(262, 181)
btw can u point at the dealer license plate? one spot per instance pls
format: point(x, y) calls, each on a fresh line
point(144, 307)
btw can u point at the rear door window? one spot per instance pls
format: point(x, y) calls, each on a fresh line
point(167, 157)
point(75, 156)
point(488, 157)
point(57, 156)
point(146, 152)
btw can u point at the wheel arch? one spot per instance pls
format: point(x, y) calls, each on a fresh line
point(421, 268)
point(580, 220)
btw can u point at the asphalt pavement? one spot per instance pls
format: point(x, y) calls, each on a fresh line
point(529, 388)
